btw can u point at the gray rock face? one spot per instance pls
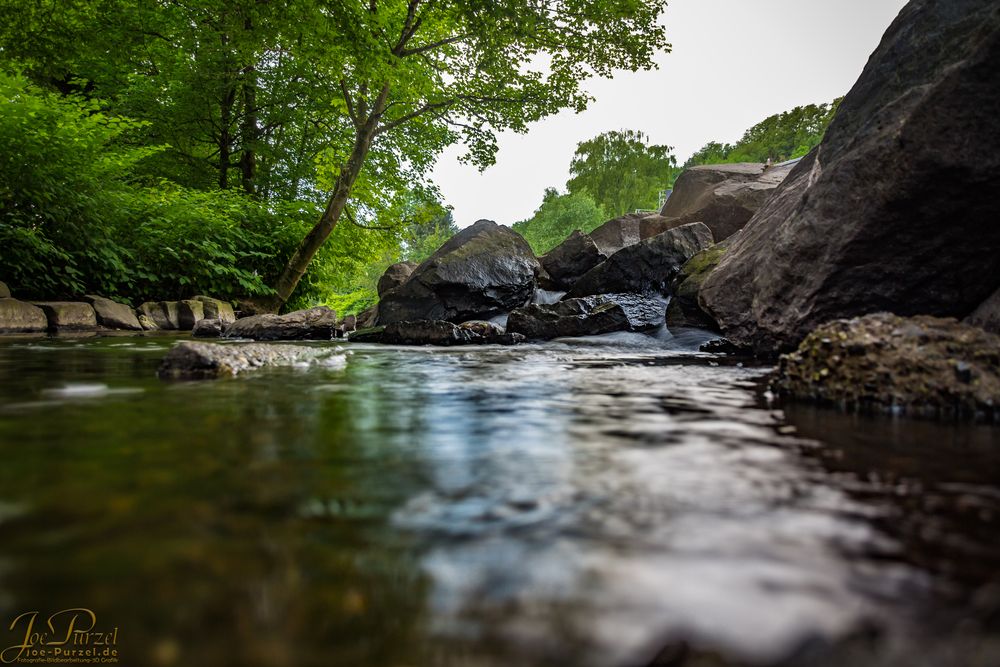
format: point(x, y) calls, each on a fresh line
point(897, 208)
point(482, 271)
point(570, 260)
point(216, 309)
point(318, 323)
point(436, 332)
point(395, 275)
point(587, 316)
point(189, 360)
point(113, 315)
point(646, 267)
point(724, 197)
point(4, 291)
point(208, 329)
point(174, 315)
point(20, 317)
point(987, 315)
point(68, 315)
point(618, 233)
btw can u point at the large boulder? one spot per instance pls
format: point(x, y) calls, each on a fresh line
point(216, 309)
point(896, 209)
point(921, 366)
point(174, 315)
point(395, 275)
point(482, 271)
point(20, 317)
point(646, 267)
point(618, 233)
point(113, 315)
point(4, 291)
point(987, 315)
point(319, 323)
point(684, 311)
point(68, 315)
point(587, 316)
point(723, 196)
point(569, 260)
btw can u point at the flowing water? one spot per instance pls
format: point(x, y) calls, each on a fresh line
point(618, 501)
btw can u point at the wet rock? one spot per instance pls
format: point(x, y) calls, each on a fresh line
point(571, 259)
point(684, 310)
point(174, 315)
point(367, 318)
point(68, 315)
point(920, 366)
point(482, 271)
point(208, 328)
point(4, 291)
point(216, 309)
point(146, 322)
point(436, 332)
point(987, 315)
point(395, 275)
point(723, 196)
point(21, 317)
point(205, 361)
point(897, 207)
point(646, 267)
point(349, 323)
point(319, 323)
point(587, 316)
point(113, 315)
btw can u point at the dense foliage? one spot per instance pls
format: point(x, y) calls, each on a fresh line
point(556, 219)
point(622, 172)
point(245, 147)
point(778, 138)
point(611, 174)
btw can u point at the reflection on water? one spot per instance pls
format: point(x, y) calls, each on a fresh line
point(585, 502)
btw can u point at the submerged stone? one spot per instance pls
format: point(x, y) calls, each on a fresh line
point(190, 360)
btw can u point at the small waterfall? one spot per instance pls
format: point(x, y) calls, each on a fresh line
point(545, 297)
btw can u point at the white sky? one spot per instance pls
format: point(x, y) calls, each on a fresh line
point(734, 63)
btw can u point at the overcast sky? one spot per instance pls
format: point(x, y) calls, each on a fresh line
point(734, 63)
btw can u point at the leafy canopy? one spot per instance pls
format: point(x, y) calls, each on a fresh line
point(778, 138)
point(622, 172)
point(557, 217)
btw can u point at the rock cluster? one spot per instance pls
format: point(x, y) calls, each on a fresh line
point(920, 366)
point(897, 207)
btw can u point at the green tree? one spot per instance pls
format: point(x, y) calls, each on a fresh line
point(778, 138)
point(622, 172)
point(419, 75)
point(557, 217)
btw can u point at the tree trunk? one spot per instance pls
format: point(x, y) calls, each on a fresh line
point(313, 241)
point(248, 126)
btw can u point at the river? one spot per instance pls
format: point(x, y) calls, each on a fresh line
point(620, 501)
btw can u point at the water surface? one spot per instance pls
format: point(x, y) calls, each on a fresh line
point(613, 501)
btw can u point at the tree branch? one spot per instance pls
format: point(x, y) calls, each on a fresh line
point(350, 104)
point(427, 108)
point(429, 47)
point(370, 228)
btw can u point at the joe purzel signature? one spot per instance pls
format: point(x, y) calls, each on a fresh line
point(66, 634)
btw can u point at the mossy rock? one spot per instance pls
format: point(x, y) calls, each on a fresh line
point(684, 310)
point(921, 366)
